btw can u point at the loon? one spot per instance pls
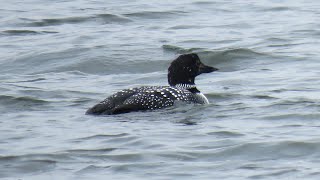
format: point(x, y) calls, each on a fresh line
point(181, 76)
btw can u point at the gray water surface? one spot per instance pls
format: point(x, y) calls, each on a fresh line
point(58, 58)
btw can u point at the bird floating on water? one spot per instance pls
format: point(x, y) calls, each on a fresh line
point(181, 76)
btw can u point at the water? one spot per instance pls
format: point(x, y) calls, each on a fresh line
point(59, 58)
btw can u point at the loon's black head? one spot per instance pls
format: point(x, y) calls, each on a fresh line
point(185, 68)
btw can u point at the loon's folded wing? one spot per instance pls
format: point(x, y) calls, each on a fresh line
point(106, 106)
point(143, 98)
point(148, 100)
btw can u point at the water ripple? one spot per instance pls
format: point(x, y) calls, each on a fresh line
point(155, 14)
point(21, 165)
point(103, 18)
point(16, 32)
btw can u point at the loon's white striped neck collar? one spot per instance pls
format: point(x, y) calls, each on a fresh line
point(185, 86)
point(190, 87)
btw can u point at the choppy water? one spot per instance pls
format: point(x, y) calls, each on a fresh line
point(58, 58)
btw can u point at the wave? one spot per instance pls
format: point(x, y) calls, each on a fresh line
point(278, 9)
point(12, 103)
point(232, 54)
point(180, 50)
point(293, 116)
point(155, 14)
point(206, 3)
point(103, 66)
point(103, 18)
point(178, 27)
point(92, 169)
point(83, 60)
point(103, 136)
point(25, 164)
point(91, 151)
point(238, 53)
point(25, 100)
point(226, 59)
point(53, 22)
point(228, 96)
point(284, 149)
point(225, 134)
point(111, 18)
point(23, 32)
point(45, 62)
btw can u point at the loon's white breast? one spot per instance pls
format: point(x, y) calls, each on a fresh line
point(202, 98)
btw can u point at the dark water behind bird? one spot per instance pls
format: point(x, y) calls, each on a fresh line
point(58, 58)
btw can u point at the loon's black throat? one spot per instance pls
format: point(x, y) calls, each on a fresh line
point(181, 77)
point(194, 90)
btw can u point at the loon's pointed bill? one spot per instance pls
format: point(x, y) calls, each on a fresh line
point(206, 69)
point(181, 76)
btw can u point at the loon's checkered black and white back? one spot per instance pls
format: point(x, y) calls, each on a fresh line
point(182, 88)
